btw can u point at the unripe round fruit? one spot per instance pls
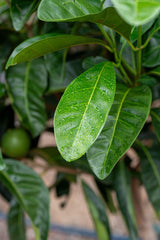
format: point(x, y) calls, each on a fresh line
point(15, 143)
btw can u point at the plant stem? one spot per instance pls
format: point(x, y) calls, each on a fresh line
point(139, 53)
point(126, 79)
point(105, 35)
point(125, 75)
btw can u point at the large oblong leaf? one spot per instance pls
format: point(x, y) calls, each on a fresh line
point(150, 171)
point(155, 113)
point(125, 120)
point(16, 222)
point(137, 12)
point(98, 212)
point(31, 193)
point(40, 45)
point(21, 11)
point(122, 186)
point(26, 84)
point(83, 109)
point(82, 10)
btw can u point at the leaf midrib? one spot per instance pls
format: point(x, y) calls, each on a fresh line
point(114, 129)
point(98, 78)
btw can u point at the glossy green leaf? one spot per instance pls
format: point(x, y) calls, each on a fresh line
point(151, 56)
point(98, 213)
point(126, 118)
point(150, 171)
point(61, 72)
point(52, 156)
point(40, 45)
point(30, 192)
point(82, 10)
point(21, 11)
point(26, 84)
point(16, 222)
point(83, 110)
point(122, 186)
point(155, 113)
point(137, 12)
point(2, 164)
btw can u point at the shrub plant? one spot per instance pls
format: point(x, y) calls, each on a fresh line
point(93, 66)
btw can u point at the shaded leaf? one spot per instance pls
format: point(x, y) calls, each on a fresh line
point(137, 12)
point(63, 185)
point(106, 193)
point(2, 90)
point(92, 61)
point(53, 157)
point(122, 185)
point(155, 71)
point(30, 192)
point(147, 80)
point(126, 118)
point(40, 45)
point(26, 84)
point(90, 11)
point(21, 11)
point(61, 72)
point(16, 222)
point(98, 213)
point(151, 56)
point(155, 113)
point(6, 119)
point(145, 28)
point(150, 171)
point(2, 164)
point(83, 110)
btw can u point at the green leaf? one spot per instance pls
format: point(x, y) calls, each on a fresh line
point(150, 171)
point(83, 110)
point(61, 72)
point(145, 28)
point(21, 11)
point(92, 61)
point(98, 213)
point(2, 89)
point(26, 84)
point(122, 186)
point(147, 80)
point(2, 164)
point(30, 192)
point(151, 56)
point(137, 12)
point(16, 222)
point(155, 113)
point(53, 157)
point(40, 45)
point(106, 192)
point(82, 10)
point(155, 71)
point(126, 118)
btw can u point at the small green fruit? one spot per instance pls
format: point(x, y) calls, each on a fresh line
point(15, 143)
